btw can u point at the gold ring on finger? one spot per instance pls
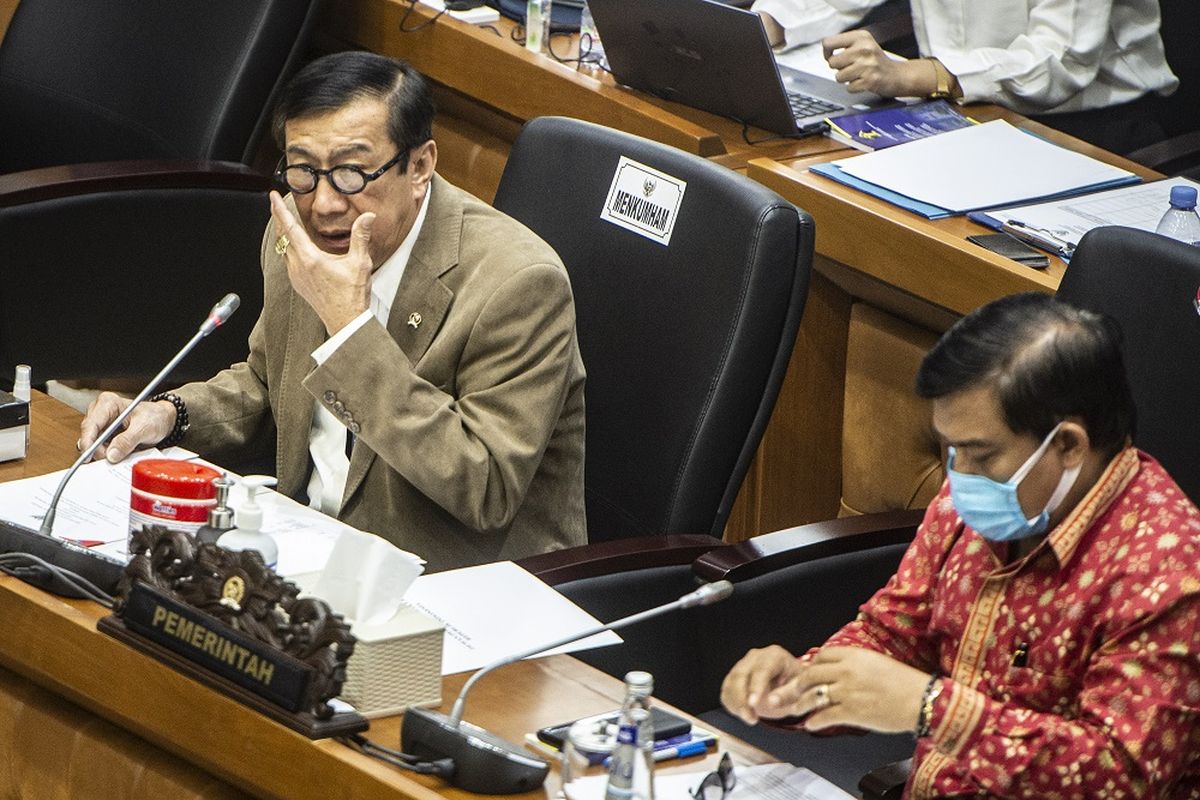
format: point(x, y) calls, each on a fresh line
point(281, 245)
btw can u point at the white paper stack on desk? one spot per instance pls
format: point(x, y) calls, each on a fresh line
point(979, 167)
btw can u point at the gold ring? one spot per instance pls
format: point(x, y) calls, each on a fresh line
point(281, 245)
point(822, 692)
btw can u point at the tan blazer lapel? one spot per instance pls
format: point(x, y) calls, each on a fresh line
point(294, 415)
point(422, 300)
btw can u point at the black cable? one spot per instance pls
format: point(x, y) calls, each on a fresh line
point(816, 131)
point(27, 566)
point(408, 11)
point(442, 767)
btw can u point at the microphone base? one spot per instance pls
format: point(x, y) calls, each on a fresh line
point(483, 762)
point(102, 571)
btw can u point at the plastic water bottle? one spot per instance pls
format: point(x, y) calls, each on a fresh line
point(1181, 221)
point(591, 51)
point(631, 774)
point(537, 25)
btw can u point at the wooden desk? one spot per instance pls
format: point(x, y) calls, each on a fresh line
point(487, 86)
point(54, 643)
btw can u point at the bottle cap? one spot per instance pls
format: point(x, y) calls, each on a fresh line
point(249, 516)
point(21, 389)
point(642, 682)
point(1183, 197)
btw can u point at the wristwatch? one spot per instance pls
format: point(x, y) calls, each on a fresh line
point(947, 84)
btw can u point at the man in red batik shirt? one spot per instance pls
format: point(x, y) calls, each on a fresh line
point(1041, 635)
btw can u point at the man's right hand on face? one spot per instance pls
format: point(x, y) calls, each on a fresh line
point(148, 425)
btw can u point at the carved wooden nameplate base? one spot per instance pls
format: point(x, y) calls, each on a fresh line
point(228, 621)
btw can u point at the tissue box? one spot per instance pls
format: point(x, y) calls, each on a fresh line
point(14, 417)
point(395, 664)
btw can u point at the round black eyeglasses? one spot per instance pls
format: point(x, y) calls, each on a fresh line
point(718, 783)
point(345, 178)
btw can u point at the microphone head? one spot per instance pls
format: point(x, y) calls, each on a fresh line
point(708, 594)
point(225, 307)
point(222, 311)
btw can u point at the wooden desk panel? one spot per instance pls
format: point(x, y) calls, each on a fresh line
point(54, 643)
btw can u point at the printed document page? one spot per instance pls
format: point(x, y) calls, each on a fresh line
point(1140, 206)
point(760, 782)
point(980, 166)
point(495, 610)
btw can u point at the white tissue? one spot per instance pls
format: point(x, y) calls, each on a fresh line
point(366, 577)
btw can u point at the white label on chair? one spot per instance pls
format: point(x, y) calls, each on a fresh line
point(643, 200)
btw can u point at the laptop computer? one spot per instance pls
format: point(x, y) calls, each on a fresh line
point(713, 56)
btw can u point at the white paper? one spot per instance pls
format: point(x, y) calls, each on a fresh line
point(762, 781)
point(94, 509)
point(808, 58)
point(495, 610)
point(1140, 206)
point(980, 166)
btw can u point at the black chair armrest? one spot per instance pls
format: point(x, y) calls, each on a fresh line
point(771, 551)
point(1170, 156)
point(50, 183)
point(618, 555)
point(886, 782)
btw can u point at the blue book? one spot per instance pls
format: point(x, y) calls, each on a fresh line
point(887, 127)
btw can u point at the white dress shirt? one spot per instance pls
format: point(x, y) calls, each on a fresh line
point(327, 439)
point(1034, 56)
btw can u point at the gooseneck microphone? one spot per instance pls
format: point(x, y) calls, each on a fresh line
point(222, 311)
point(486, 763)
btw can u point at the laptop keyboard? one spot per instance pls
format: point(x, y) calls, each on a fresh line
point(805, 105)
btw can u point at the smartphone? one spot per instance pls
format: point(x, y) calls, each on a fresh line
point(666, 726)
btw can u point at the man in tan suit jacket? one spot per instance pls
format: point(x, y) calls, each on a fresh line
point(463, 404)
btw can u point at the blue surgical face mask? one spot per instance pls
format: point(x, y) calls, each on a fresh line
point(992, 507)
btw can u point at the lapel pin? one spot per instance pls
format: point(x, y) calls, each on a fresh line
point(414, 320)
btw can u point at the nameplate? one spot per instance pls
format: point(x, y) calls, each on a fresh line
point(643, 200)
point(208, 642)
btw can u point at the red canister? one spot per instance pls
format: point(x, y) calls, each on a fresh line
point(173, 493)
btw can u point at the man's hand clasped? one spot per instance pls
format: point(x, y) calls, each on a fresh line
point(864, 66)
point(838, 686)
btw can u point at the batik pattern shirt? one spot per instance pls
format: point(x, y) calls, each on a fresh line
point(1070, 673)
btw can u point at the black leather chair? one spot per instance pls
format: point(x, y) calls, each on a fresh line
point(126, 208)
point(685, 343)
point(1151, 285)
point(143, 79)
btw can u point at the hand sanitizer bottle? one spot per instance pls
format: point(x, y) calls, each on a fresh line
point(248, 534)
point(220, 516)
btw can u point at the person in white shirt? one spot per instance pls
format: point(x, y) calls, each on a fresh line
point(1054, 60)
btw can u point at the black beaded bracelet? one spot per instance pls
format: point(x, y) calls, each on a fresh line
point(181, 418)
point(925, 715)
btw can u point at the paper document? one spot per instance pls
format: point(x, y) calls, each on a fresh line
point(495, 610)
point(94, 511)
point(760, 782)
point(982, 166)
point(1067, 220)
